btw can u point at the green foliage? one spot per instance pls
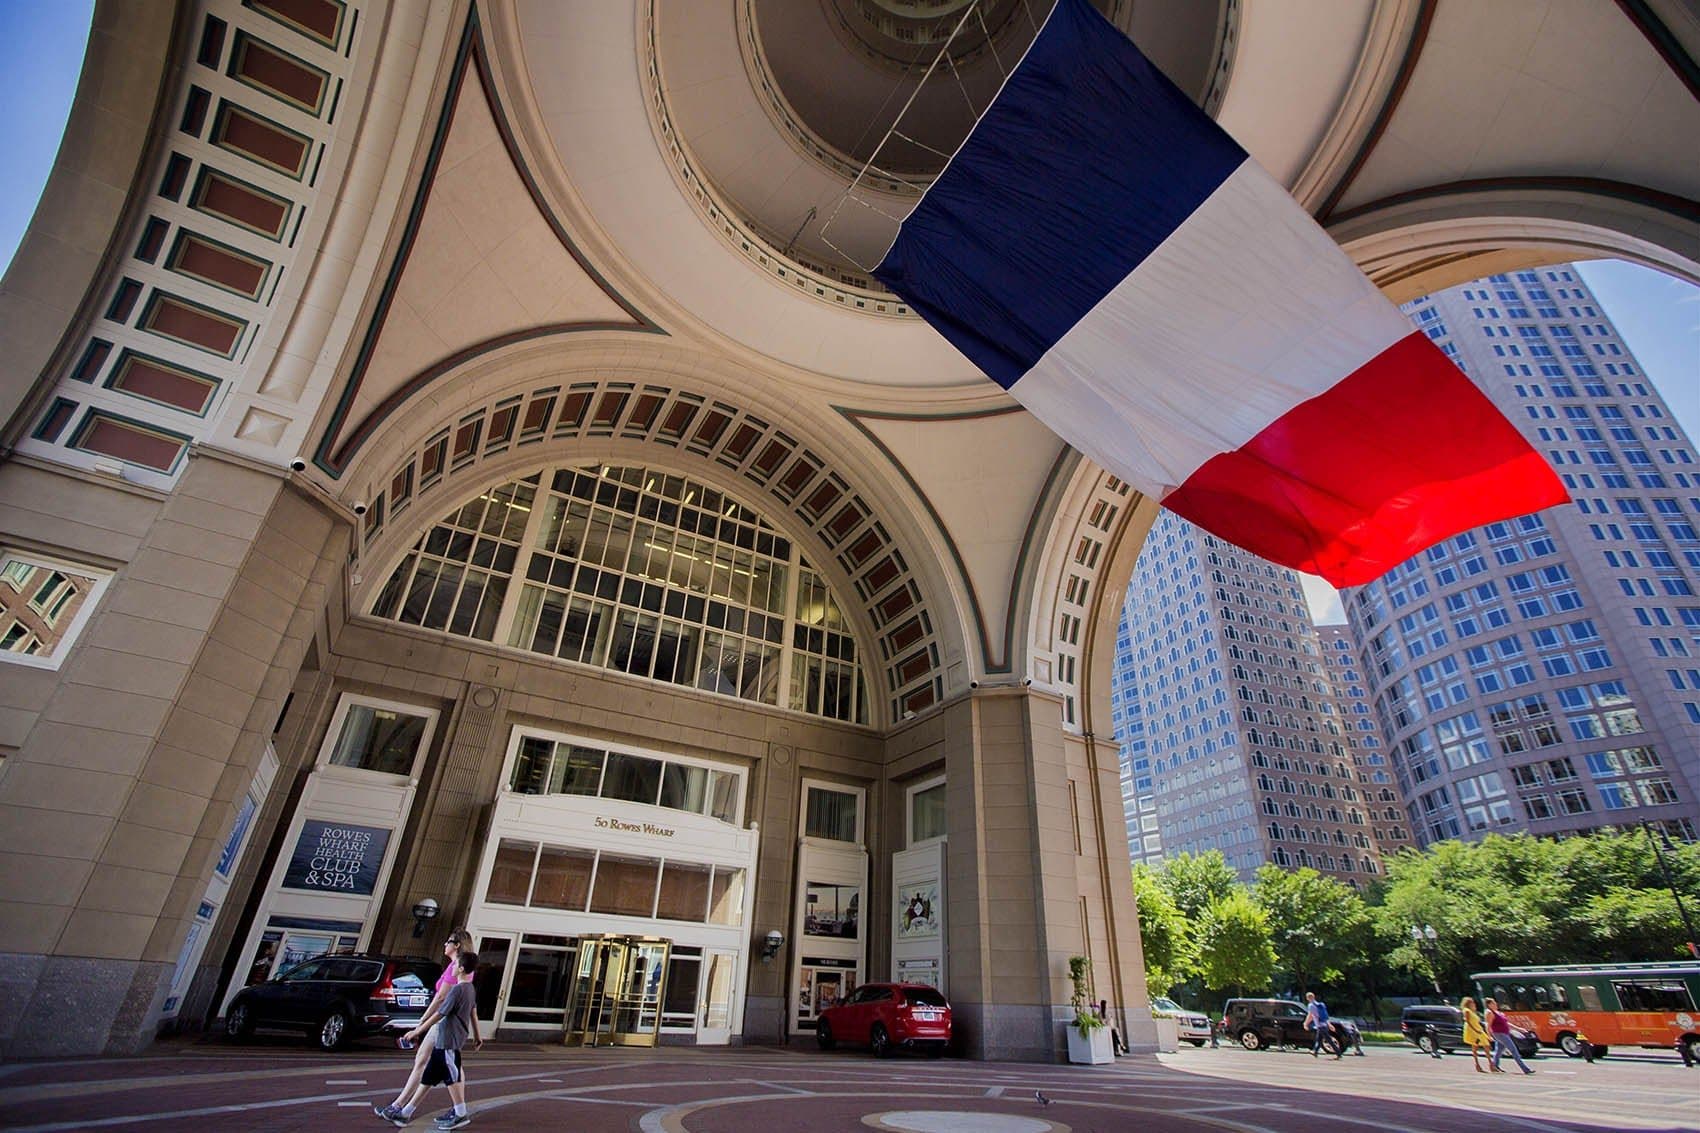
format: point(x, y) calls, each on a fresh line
point(1319, 927)
point(1080, 977)
point(1234, 949)
point(1164, 933)
point(1196, 883)
point(1516, 900)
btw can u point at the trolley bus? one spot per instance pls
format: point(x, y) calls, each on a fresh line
point(1638, 1005)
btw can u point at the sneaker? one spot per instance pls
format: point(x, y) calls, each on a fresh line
point(452, 1120)
point(400, 1120)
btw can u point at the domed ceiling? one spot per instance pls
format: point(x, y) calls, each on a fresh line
point(783, 104)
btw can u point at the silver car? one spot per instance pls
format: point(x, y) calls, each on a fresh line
point(1194, 1025)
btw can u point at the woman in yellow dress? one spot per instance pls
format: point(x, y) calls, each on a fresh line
point(1474, 1033)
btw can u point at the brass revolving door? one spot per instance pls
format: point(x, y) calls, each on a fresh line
point(617, 988)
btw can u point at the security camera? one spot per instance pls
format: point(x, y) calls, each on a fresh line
point(771, 944)
point(359, 507)
point(298, 465)
point(973, 684)
point(1026, 682)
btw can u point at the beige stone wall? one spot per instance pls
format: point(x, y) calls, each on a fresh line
point(125, 779)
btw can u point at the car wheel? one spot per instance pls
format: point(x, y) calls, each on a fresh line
point(1426, 1043)
point(823, 1035)
point(1691, 1048)
point(879, 1042)
point(1570, 1045)
point(333, 1031)
point(1251, 1040)
point(1196, 1042)
point(239, 1023)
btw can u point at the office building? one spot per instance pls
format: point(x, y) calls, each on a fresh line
point(1541, 674)
point(1237, 738)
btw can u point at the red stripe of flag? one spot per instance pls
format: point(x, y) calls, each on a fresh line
point(1400, 454)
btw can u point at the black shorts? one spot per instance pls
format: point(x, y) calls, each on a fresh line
point(443, 1068)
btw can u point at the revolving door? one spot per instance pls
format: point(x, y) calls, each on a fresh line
point(617, 988)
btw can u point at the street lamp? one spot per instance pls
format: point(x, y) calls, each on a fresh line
point(1426, 941)
point(1682, 910)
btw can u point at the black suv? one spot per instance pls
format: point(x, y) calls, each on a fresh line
point(1260, 1023)
point(337, 997)
point(1438, 1027)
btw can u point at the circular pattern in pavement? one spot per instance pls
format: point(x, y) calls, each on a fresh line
point(958, 1121)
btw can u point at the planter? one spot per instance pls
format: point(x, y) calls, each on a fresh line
point(1168, 1034)
point(1089, 1050)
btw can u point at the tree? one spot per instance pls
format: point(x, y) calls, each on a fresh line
point(1164, 933)
point(1318, 926)
point(1233, 944)
point(1197, 882)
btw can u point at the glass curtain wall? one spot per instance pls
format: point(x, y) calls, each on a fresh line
point(639, 571)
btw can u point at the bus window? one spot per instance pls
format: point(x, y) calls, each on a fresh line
point(1556, 999)
point(1519, 998)
point(1652, 995)
point(1589, 997)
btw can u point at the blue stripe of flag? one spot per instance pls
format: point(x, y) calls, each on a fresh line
point(1087, 160)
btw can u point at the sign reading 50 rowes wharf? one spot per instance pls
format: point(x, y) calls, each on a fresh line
point(337, 857)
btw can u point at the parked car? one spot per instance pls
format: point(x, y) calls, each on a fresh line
point(885, 1016)
point(1257, 1024)
point(335, 998)
point(1439, 1027)
point(1194, 1025)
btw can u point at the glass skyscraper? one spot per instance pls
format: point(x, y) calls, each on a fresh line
point(1543, 673)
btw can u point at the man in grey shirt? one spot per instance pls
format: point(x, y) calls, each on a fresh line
point(456, 1019)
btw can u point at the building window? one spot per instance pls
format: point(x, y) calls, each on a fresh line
point(548, 765)
point(831, 813)
point(640, 571)
point(926, 812)
point(380, 737)
point(44, 604)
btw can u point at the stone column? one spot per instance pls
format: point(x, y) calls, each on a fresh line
point(117, 802)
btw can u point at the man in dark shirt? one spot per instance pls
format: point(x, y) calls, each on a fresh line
point(456, 1018)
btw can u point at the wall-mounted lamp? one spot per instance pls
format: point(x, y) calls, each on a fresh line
point(423, 914)
point(771, 944)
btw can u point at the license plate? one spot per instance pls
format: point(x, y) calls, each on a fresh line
point(410, 1000)
point(927, 1016)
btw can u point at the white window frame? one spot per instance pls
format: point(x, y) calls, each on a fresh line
point(861, 794)
point(72, 631)
point(520, 731)
point(909, 794)
point(339, 718)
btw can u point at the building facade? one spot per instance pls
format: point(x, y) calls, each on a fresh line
point(487, 480)
point(1539, 674)
point(1245, 745)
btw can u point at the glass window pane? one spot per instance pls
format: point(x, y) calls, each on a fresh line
point(563, 878)
point(684, 892)
point(726, 896)
point(578, 770)
point(538, 993)
point(723, 795)
point(625, 886)
point(683, 972)
point(830, 814)
point(684, 787)
point(634, 778)
point(926, 813)
point(531, 766)
point(378, 739)
point(510, 877)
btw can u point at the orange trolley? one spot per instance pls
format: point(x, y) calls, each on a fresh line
point(1632, 1005)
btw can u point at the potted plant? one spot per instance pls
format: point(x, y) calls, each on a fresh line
point(1088, 1034)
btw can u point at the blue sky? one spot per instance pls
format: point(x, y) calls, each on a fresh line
point(1659, 317)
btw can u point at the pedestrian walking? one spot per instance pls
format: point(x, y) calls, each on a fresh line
point(1316, 1022)
point(451, 976)
point(456, 1019)
point(1499, 1027)
point(1474, 1033)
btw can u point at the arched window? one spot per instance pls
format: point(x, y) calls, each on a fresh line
point(640, 571)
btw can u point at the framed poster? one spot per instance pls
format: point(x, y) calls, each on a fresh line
point(337, 857)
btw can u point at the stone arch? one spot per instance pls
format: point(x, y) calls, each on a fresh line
point(1418, 243)
point(906, 610)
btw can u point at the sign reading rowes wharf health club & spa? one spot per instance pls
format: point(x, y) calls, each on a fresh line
point(338, 857)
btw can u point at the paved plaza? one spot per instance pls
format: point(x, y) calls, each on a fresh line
point(274, 1084)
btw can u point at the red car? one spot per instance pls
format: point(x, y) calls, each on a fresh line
point(886, 1016)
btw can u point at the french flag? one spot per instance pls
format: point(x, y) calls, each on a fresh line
point(1111, 257)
